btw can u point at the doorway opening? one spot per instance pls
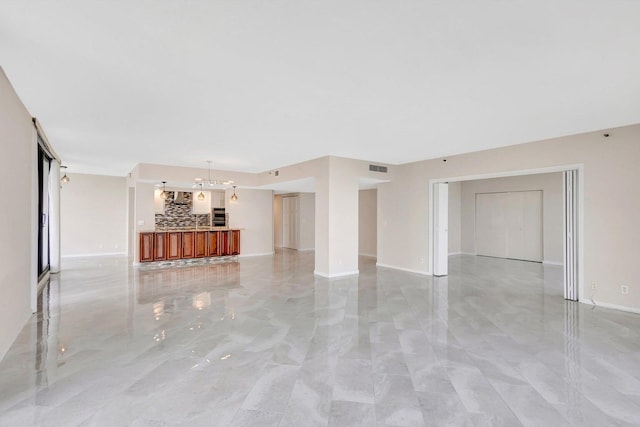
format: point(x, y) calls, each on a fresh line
point(517, 233)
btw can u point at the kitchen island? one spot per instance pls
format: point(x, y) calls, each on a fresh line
point(175, 243)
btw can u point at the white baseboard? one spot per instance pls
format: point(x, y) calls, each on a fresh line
point(94, 255)
point(254, 255)
point(552, 263)
point(368, 255)
point(306, 250)
point(454, 253)
point(613, 306)
point(409, 270)
point(331, 276)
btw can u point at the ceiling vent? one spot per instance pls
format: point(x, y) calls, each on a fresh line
point(376, 168)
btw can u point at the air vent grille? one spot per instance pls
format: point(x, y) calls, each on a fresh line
point(376, 168)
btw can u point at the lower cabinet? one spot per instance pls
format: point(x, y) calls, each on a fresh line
point(223, 242)
point(174, 245)
point(234, 242)
point(188, 244)
point(160, 247)
point(201, 244)
point(214, 244)
point(146, 247)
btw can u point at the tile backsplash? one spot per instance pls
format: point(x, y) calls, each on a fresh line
point(179, 215)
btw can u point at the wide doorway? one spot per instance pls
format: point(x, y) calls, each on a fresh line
point(519, 216)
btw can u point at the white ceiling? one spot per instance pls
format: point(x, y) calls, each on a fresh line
point(256, 85)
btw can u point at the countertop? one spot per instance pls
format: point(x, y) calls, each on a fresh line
point(162, 230)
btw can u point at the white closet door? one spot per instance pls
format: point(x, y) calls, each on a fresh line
point(290, 226)
point(491, 224)
point(509, 225)
point(524, 222)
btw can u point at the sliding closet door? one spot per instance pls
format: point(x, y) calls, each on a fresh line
point(290, 226)
point(509, 225)
point(524, 225)
point(491, 224)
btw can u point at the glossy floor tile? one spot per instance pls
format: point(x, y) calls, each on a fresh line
point(262, 342)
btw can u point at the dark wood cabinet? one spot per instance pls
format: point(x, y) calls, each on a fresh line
point(234, 242)
point(174, 245)
point(160, 246)
point(146, 247)
point(188, 244)
point(223, 243)
point(214, 243)
point(202, 241)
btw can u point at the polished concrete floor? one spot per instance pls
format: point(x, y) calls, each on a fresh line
point(262, 342)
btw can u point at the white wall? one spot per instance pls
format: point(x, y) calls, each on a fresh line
point(17, 139)
point(611, 180)
point(368, 222)
point(253, 214)
point(552, 211)
point(454, 217)
point(94, 215)
point(307, 221)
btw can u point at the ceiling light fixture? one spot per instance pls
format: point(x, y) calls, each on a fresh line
point(201, 196)
point(165, 194)
point(65, 179)
point(212, 182)
point(234, 198)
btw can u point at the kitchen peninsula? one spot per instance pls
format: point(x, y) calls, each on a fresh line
point(177, 244)
point(188, 227)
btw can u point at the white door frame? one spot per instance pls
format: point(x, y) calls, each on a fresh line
point(579, 214)
point(441, 228)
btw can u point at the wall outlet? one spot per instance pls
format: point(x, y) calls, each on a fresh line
point(594, 286)
point(421, 260)
point(100, 245)
point(624, 289)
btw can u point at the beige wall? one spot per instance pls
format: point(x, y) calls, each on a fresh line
point(94, 215)
point(18, 139)
point(253, 214)
point(454, 217)
point(367, 222)
point(552, 211)
point(611, 182)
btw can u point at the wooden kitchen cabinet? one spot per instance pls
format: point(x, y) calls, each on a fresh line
point(174, 245)
point(201, 244)
point(160, 246)
point(234, 242)
point(223, 243)
point(188, 244)
point(146, 247)
point(214, 243)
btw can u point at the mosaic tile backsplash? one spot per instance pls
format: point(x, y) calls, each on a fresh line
point(179, 215)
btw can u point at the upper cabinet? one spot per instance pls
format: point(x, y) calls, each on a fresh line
point(217, 199)
point(201, 206)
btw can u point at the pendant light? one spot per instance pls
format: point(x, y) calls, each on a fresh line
point(201, 195)
point(164, 195)
point(234, 198)
point(65, 179)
